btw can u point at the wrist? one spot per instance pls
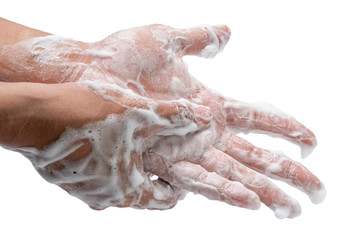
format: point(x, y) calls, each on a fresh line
point(30, 114)
point(35, 114)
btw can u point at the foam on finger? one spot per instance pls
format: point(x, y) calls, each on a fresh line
point(194, 178)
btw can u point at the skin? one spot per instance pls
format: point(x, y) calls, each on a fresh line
point(211, 161)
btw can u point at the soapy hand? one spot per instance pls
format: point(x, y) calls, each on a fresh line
point(96, 144)
point(214, 162)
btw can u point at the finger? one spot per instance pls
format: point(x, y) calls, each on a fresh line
point(194, 178)
point(178, 117)
point(274, 165)
point(269, 194)
point(204, 41)
point(183, 117)
point(160, 195)
point(264, 118)
point(142, 192)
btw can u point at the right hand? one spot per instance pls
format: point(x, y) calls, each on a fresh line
point(92, 145)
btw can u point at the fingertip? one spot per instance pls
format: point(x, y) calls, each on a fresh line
point(319, 195)
point(203, 41)
point(224, 28)
point(308, 143)
point(218, 37)
point(282, 213)
point(306, 149)
point(296, 210)
point(304, 138)
point(223, 33)
point(254, 202)
point(97, 208)
point(291, 210)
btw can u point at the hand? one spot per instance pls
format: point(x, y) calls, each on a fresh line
point(92, 147)
point(148, 61)
point(158, 72)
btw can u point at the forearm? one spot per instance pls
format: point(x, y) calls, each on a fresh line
point(23, 119)
point(25, 58)
point(35, 114)
point(13, 32)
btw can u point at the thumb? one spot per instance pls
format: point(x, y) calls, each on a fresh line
point(204, 41)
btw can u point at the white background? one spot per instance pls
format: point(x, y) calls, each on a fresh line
point(302, 56)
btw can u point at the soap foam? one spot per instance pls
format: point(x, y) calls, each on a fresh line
point(318, 196)
point(113, 147)
point(112, 139)
point(246, 111)
point(306, 150)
